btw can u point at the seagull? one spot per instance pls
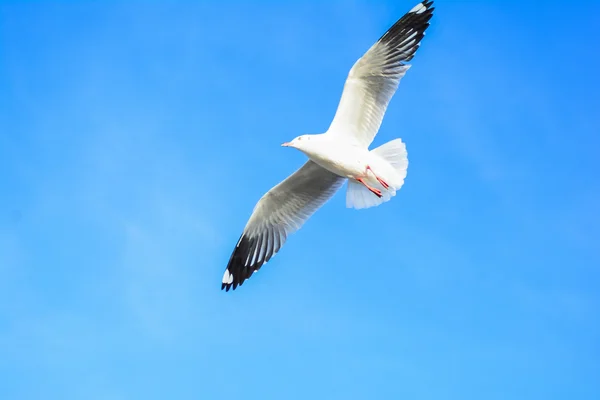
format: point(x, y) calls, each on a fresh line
point(340, 154)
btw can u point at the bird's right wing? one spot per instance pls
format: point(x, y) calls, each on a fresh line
point(281, 211)
point(374, 78)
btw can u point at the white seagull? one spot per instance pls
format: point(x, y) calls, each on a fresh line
point(340, 154)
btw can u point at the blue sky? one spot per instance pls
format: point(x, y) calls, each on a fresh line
point(135, 139)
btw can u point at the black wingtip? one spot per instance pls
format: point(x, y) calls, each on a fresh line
point(408, 31)
point(237, 271)
point(427, 4)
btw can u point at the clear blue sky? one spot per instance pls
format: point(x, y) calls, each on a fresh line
point(136, 138)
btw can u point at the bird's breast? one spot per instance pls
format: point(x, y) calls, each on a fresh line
point(345, 161)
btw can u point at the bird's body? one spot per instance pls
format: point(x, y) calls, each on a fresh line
point(343, 159)
point(349, 160)
point(340, 154)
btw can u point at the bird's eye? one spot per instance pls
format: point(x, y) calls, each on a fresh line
point(300, 138)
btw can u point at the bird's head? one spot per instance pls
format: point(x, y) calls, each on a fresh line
point(301, 142)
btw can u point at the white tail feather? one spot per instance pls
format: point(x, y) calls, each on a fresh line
point(358, 196)
point(394, 152)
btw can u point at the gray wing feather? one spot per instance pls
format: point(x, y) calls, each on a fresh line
point(280, 212)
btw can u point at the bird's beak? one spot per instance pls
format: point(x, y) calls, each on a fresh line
point(286, 144)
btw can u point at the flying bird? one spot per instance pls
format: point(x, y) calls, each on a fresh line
point(341, 154)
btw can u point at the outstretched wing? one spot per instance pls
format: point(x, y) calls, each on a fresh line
point(374, 78)
point(281, 211)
